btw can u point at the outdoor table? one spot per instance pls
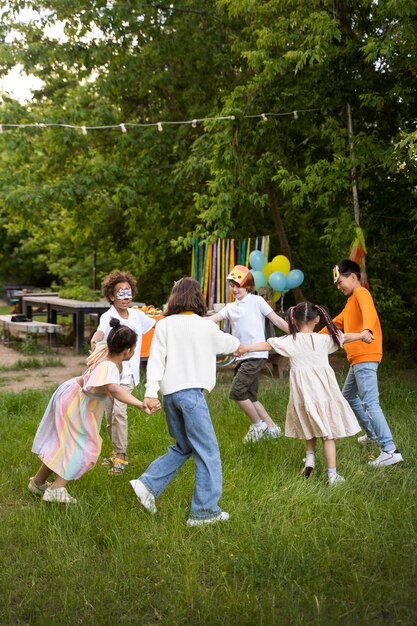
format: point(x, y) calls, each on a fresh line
point(18, 297)
point(147, 338)
point(78, 308)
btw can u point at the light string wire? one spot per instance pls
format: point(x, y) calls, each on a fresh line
point(123, 126)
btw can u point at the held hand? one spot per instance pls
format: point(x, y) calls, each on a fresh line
point(367, 336)
point(145, 409)
point(151, 405)
point(93, 345)
point(242, 349)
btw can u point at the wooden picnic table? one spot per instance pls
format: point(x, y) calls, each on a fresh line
point(18, 297)
point(77, 308)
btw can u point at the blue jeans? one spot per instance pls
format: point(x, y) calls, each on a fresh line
point(189, 423)
point(361, 391)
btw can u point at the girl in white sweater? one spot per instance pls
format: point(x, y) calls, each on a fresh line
point(182, 364)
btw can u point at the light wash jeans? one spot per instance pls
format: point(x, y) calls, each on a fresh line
point(361, 391)
point(189, 423)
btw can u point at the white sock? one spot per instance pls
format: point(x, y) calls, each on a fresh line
point(331, 471)
point(259, 424)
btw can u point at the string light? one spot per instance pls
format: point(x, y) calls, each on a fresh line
point(159, 125)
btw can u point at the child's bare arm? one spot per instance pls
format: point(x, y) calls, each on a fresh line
point(98, 336)
point(215, 318)
point(365, 336)
point(262, 346)
point(278, 321)
point(124, 396)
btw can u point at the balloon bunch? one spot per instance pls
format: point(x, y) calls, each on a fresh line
point(277, 273)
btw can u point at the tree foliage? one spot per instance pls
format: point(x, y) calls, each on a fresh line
point(136, 199)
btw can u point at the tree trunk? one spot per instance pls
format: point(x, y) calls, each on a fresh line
point(282, 236)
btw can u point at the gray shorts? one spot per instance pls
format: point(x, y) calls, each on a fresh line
point(246, 380)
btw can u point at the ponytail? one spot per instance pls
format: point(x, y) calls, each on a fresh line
point(306, 312)
point(329, 323)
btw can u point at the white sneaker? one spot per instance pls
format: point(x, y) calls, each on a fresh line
point(387, 458)
point(365, 440)
point(254, 434)
point(335, 479)
point(145, 497)
point(273, 433)
point(38, 490)
point(309, 465)
point(220, 517)
point(58, 495)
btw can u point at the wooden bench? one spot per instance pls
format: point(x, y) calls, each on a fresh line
point(9, 328)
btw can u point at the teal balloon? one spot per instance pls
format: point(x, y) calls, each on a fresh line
point(277, 280)
point(257, 260)
point(259, 278)
point(294, 279)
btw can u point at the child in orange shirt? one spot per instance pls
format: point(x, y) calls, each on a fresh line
point(361, 385)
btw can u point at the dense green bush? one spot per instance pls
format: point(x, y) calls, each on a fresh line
point(79, 292)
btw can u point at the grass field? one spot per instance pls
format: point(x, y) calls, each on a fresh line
point(294, 551)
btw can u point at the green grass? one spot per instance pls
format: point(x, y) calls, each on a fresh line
point(293, 553)
point(32, 363)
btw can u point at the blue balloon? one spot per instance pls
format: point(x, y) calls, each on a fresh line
point(257, 260)
point(294, 279)
point(277, 280)
point(259, 278)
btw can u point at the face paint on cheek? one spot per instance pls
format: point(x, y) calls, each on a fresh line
point(124, 294)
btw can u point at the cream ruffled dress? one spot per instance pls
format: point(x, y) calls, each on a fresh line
point(316, 407)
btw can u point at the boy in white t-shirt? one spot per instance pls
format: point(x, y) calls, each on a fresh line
point(247, 317)
point(119, 288)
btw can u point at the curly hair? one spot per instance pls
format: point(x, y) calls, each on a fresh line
point(110, 282)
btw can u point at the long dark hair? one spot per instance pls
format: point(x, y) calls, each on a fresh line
point(120, 337)
point(186, 296)
point(305, 312)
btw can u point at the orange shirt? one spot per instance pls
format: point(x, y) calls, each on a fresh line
point(360, 314)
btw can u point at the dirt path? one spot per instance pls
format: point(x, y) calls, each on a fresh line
point(45, 378)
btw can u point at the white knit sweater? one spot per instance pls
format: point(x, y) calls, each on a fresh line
point(183, 354)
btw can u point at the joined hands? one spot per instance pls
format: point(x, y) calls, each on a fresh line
point(151, 405)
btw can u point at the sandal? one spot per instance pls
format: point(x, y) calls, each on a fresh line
point(108, 461)
point(118, 466)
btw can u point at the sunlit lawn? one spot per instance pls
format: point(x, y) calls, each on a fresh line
point(294, 551)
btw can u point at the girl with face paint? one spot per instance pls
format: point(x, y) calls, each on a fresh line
point(120, 288)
